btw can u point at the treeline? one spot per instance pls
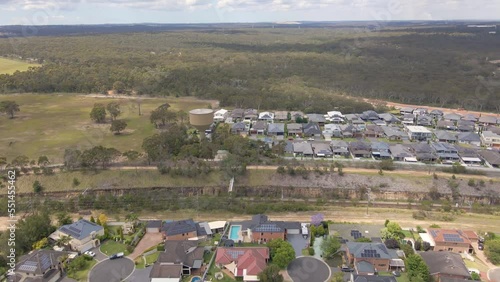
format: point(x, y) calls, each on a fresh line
point(313, 70)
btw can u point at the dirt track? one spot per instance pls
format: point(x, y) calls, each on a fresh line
point(445, 110)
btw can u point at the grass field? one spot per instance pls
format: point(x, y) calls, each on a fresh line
point(48, 124)
point(8, 66)
point(82, 275)
point(112, 247)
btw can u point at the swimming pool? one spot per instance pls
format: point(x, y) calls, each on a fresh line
point(234, 232)
point(196, 279)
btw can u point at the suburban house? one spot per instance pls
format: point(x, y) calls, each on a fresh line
point(311, 129)
point(296, 114)
point(470, 117)
point(217, 226)
point(371, 278)
point(332, 130)
point(40, 265)
point(420, 112)
point(261, 230)
point(335, 117)
point(376, 254)
point(349, 118)
point(406, 110)
point(179, 258)
point(316, 118)
point(221, 115)
point(381, 150)
point(369, 115)
point(302, 149)
point(469, 156)
point(446, 124)
point(446, 152)
point(276, 129)
point(153, 226)
point(393, 133)
point(487, 120)
point(259, 128)
point(445, 136)
point(424, 152)
point(340, 148)
point(266, 116)
point(452, 117)
point(389, 118)
point(490, 139)
point(424, 120)
point(360, 149)
point(465, 126)
point(322, 150)
point(352, 131)
point(364, 268)
point(239, 128)
point(402, 153)
point(436, 114)
point(470, 138)
point(443, 265)
point(281, 116)
point(243, 262)
point(237, 114)
point(183, 230)
point(294, 129)
point(408, 119)
point(250, 114)
point(491, 158)
point(451, 240)
point(83, 233)
point(418, 133)
point(373, 131)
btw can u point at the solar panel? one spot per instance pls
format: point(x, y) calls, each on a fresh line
point(45, 262)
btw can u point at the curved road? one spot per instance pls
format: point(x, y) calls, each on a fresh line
point(112, 270)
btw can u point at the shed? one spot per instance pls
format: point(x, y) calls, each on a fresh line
point(153, 226)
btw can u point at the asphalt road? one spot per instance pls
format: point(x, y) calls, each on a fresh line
point(308, 269)
point(112, 270)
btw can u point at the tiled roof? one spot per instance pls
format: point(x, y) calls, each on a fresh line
point(448, 235)
point(251, 259)
point(446, 263)
point(368, 250)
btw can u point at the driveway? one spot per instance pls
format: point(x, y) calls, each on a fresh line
point(308, 269)
point(99, 256)
point(140, 275)
point(494, 274)
point(298, 243)
point(149, 240)
point(112, 270)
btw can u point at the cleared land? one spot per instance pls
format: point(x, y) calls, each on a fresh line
point(48, 124)
point(8, 66)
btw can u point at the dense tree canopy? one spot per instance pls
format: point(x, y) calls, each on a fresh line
point(492, 250)
point(271, 274)
point(313, 70)
point(417, 269)
point(98, 113)
point(282, 252)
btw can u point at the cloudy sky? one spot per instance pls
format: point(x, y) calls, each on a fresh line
point(41, 12)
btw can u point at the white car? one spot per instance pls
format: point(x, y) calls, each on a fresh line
point(89, 253)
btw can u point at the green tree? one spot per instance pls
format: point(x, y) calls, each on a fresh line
point(392, 230)
point(282, 252)
point(161, 116)
point(113, 110)
point(119, 87)
point(271, 274)
point(76, 182)
point(42, 243)
point(21, 160)
point(37, 187)
point(72, 158)
point(492, 250)
point(118, 125)
point(407, 249)
point(99, 155)
point(182, 116)
point(98, 113)
point(9, 108)
point(131, 155)
point(31, 229)
point(92, 219)
point(338, 277)
point(417, 268)
point(63, 218)
point(330, 246)
point(43, 160)
point(233, 166)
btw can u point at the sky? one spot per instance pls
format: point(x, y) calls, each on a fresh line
point(47, 12)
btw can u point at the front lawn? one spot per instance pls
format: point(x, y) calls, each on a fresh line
point(111, 247)
point(82, 275)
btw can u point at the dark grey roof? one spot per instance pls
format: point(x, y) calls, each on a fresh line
point(311, 128)
point(339, 143)
point(369, 115)
point(289, 147)
point(154, 224)
point(186, 252)
point(436, 112)
point(422, 147)
point(373, 278)
point(276, 128)
point(294, 126)
point(380, 146)
point(80, 229)
point(166, 271)
point(368, 250)
point(452, 116)
point(447, 263)
point(179, 227)
point(444, 135)
point(360, 145)
point(468, 137)
point(316, 118)
point(492, 157)
point(259, 125)
point(39, 261)
point(364, 266)
point(239, 125)
point(261, 223)
point(237, 113)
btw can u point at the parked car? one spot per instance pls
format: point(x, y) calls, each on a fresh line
point(118, 255)
point(396, 273)
point(346, 268)
point(89, 253)
point(480, 247)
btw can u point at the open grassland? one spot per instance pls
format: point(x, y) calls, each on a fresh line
point(8, 66)
point(110, 179)
point(48, 124)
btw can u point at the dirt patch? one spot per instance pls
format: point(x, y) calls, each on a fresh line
point(149, 240)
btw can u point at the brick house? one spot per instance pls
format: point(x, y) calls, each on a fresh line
point(261, 230)
point(376, 254)
point(243, 262)
point(444, 266)
point(451, 240)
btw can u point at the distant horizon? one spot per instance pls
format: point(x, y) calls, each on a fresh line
point(291, 22)
point(97, 12)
